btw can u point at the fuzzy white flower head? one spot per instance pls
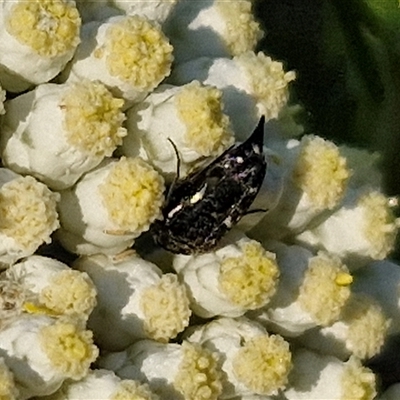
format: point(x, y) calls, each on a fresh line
point(135, 299)
point(67, 130)
point(191, 116)
point(252, 85)
point(253, 361)
point(129, 54)
point(28, 215)
point(361, 330)
point(43, 352)
point(110, 206)
point(381, 280)
point(364, 228)
point(237, 277)
point(316, 376)
point(212, 28)
point(315, 178)
point(54, 288)
point(37, 39)
point(105, 385)
point(313, 290)
point(186, 371)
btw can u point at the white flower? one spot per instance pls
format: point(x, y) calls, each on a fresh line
point(313, 289)
point(315, 179)
point(110, 206)
point(186, 371)
point(237, 277)
point(135, 299)
point(252, 85)
point(253, 362)
point(191, 116)
point(37, 39)
point(105, 385)
point(155, 10)
point(316, 377)
point(381, 280)
point(53, 288)
point(42, 352)
point(361, 331)
point(28, 215)
point(130, 55)
point(66, 131)
point(212, 28)
point(363, 229)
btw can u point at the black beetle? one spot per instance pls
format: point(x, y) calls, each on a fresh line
point(204, 205)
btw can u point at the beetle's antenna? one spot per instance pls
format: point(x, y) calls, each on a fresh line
point(178, 159)
point(178, 166)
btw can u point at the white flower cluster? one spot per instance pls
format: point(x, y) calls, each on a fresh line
point(102, 103)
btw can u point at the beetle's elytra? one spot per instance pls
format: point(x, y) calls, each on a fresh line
point(204, 205)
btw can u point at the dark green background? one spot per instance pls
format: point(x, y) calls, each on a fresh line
point(347, 57)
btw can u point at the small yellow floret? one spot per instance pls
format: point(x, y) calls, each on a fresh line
point(207, 127)
point(263, 364)
point(166, 308)
point(8, 390)
point(93, 118)
point(268, 80)
point(321, 172)
point(48, 27)
point(325, 288)
point(199, 377)
point(138, 53)
point(381, 226)
point(249, 280)
point(367, 326)
point(28, 212)
point(70, 292)
point(358, 382)
point(69, 349)
point(242, 32)
point(133, 194)
point(133, 390)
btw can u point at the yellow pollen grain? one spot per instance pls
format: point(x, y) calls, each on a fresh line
point(28, 212)
point(249, 280)
point(133, 194)
point(207, 127)
point(93, 118)
point(138, 53)
point(49, 27)
point(321, 172)
point(242, 32)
